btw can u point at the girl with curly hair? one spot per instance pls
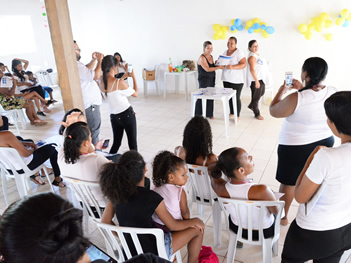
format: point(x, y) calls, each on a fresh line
point(134, 205)
point(169, 176)
point(197, 143)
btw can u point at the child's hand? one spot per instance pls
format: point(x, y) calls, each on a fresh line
point(199, 225)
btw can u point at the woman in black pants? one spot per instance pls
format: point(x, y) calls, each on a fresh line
point(33, 156)
point(122, 115)
point(233, 75)
point(207, 77)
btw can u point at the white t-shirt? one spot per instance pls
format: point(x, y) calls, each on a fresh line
point(308, 123)
point(86, 168)
point(234, 75)
point(330, 166)
point(20, 88)
point(241, 191)
point(261, 69)
point(90, 89)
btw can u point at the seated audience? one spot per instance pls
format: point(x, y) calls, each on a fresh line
point(32, 156)
point(9, 102)
point(34, 82)
point(123, 185)
point(322, 232)
point(197, 143)
point(237, 164)
point(43, 228)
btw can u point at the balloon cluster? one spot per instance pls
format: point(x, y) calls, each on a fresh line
point(256, 26)
point(220, 32)
point(344, 18)
point(236, 25)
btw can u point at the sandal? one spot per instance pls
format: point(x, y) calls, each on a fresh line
point(39, 122)
point(61, 184)
point(32, 178)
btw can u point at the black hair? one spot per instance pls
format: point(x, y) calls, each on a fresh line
point(116, 53)
point(76, 134)
point(42, 227)
point(107, 63)
point(75, 42)
point(236, 41)
point(197, 139)
point(62, 128)
point(164, 163)
point(316, 69)
point(119, 181)
point(206, 43)
point(338, 110)
point(251, 43)
point(227, 163)
point(28, 73)
point(2, 64)
point(19, 74)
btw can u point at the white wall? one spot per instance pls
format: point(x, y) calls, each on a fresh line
point(149, 32)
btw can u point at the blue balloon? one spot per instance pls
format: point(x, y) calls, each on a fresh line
point(240, 28)
point(263, 27)
point(256, 26)
point(346, 24)
point(270, 30)
point(237, 22)
point(250, 30)
point(232, 28)
point(339, 15)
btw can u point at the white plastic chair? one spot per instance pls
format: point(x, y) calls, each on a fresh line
point(202, 194)
point(146, 82)
point(344, 258)
point(21, 179)
point(44, 79)
point(267, 244)
point(16, 114)
point(117, 243)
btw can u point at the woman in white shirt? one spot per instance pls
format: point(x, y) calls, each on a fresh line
point(257, 75)
point(122, 115)
point(233, 74)
point(305, 125)
point(323, 233)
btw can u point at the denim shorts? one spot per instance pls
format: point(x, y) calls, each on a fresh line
point(168, 243)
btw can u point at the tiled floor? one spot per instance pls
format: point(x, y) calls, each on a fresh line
point(160, 126)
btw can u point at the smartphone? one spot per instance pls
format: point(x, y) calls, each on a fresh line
point(40, 143)
point(95, 253)
point(105, 144)
point(289, 79)
point(130, 68)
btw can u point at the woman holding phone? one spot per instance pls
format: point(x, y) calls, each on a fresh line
point(305, 125)
point(116, 92)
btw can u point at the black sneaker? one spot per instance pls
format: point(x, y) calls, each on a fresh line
point(239, 244)
point(40, 113)
point(49, 102)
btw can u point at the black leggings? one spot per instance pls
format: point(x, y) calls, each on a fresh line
point(5, 124)
point(322, 246)
point(37, 89)
point(256, 95)
point(121, 122)
point(43, 153)
point(238, 88)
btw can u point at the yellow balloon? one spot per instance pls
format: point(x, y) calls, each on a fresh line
point(215, 36)
point(315, 20)
point(232, 21)
point(345, 13)
point(224, 29)
point(249, 23)
point(329, 37)
point(340, 21)
point(216, 27)
point(247, 27)
point(348, 18)
point(220, 33)
point(321, 23)
point(265, 34)
point(319, 28)
point(257, 30)
point(223, 36)
point(328, 23)
point(236, 30)
point(302, 28)
point(310, 27)
point(255, 20)
point(323, 16)
point(308, 35)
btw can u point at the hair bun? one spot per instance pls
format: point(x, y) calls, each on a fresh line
point(216, 171)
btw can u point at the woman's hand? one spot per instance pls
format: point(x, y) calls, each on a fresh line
point(72, 118)
point(296, 84)
point(257, 84)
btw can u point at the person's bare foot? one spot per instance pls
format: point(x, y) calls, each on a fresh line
point(46, 109)
point(259, 117)
point(284, 221)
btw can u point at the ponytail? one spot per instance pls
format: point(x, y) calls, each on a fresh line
point(76, 134)
point(227, 163)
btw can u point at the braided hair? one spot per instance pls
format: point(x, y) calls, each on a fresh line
point(119, 181)
point(164, 163)
point(316, 69)
point(197, 139)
